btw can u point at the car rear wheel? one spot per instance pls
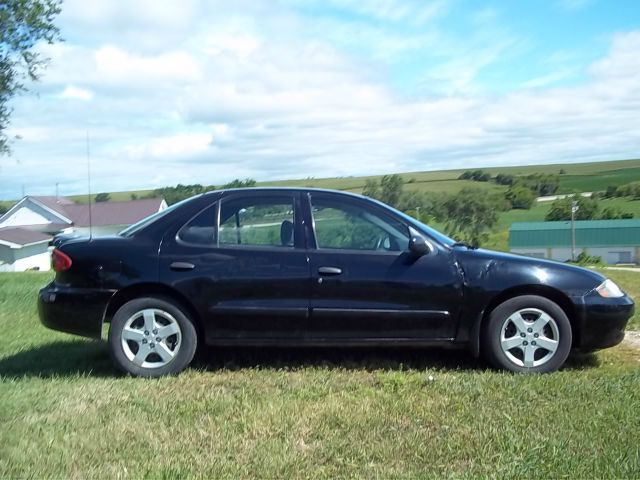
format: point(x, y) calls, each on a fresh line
point(151, 337)
point(528, 334)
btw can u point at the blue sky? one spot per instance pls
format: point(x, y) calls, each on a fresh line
point(206, 91)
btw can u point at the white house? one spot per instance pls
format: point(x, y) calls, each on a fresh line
point(28, 227)
point(22, 249)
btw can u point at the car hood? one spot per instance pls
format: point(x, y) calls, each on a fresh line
point(570, 278)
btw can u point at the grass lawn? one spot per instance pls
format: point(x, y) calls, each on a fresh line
point(306, 414)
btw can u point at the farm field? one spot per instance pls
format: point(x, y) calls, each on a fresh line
point(578, 176)
point(584, 177)
point(315, 413)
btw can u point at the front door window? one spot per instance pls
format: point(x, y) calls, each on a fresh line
point(349, 227)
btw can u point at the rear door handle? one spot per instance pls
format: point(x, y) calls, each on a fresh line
point(182, 266)
point(329, 271)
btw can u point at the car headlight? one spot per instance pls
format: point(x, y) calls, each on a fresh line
point(609, 289)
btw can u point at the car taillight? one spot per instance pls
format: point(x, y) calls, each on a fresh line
point(60, 261)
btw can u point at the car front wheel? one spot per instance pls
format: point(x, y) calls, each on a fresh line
point(151, 337)
point(528, 334)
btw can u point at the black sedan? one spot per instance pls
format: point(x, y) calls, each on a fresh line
point(315, 267)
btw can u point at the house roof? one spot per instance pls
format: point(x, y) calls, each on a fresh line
point(102, 213)
point(112, 213)
point(589, 233)
point(22, 236)
point(56, 204)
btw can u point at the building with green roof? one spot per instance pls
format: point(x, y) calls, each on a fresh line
point(615, 241)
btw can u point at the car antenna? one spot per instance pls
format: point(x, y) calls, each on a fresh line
point(89, 186)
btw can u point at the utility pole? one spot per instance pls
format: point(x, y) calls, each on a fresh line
point(418, 213)
point(574, 209)
point(57, 196)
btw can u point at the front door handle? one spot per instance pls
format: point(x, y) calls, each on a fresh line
point(329, 271)
point(182, 266)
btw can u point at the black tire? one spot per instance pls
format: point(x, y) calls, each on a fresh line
point(492, 332)
point(185, 347)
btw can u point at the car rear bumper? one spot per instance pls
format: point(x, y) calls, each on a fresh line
point(73, 310)
point(604, 321)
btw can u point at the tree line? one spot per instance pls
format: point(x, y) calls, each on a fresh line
point(523, 189)
point(588, 209)
point(627, 190)
point(468, 215)
point(181, 192)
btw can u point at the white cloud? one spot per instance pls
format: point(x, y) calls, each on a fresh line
point(76, 93)
point(182, 145)
point(248, 89)
point(116, 66)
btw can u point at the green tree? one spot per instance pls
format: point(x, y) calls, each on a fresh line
point(629, 190)
point(469, 215)
point(561, 208)
point(23, 23)
point(3, 209)
point(422, 206)
point(480, 176)
point(614, 213)
point(475, 175)
point(371, 188)
point(237, 183)
point(102, 197)
point(504, 179)
point(610, 192)
point(134, 196)
point(521, 197)
point(178, 193)
point(540, 183)
point(391, 189)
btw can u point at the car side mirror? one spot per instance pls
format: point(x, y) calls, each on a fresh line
point(418, 246)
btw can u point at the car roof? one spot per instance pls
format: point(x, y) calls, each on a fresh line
point(286, 189)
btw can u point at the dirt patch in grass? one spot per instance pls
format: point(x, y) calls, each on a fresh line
point(632, 338)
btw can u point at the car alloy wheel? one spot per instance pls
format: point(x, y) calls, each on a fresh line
point(527, 334)
point(529, 337)
point(151, 338)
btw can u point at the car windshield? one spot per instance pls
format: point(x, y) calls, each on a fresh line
point(136, 227)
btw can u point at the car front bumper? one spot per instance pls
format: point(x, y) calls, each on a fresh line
point(79, 311)
point(604, 321)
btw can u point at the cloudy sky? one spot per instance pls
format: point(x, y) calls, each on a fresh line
point(203, 91)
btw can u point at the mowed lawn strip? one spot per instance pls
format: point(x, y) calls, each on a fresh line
point(271, 413)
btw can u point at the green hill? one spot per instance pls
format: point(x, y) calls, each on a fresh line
point(575, 177)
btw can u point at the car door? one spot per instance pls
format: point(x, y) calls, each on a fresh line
point(366, 284)
point(242, 262)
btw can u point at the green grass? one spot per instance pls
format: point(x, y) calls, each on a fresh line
point(306, 414)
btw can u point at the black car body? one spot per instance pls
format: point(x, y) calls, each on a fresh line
point(328, 278)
